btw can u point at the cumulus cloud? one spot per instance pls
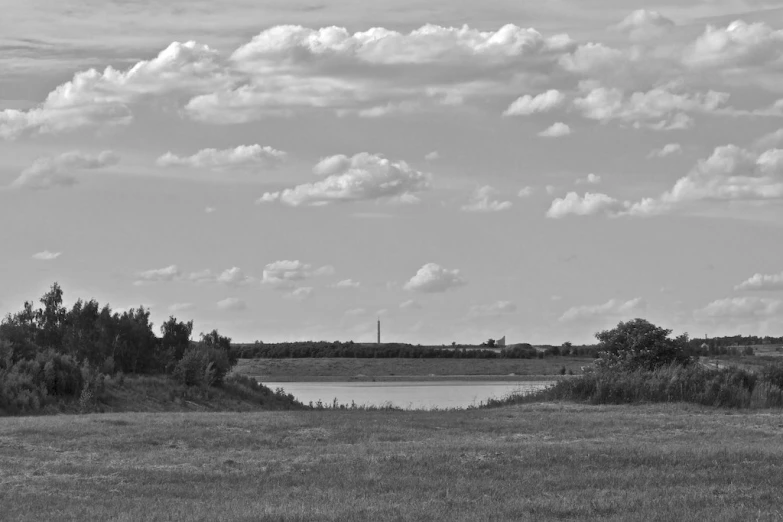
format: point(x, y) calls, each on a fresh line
point(232, 304)
point(740, 308)
point(181, 307)
point(736, 45)
point(93, 98)
point(496, 309)
point(285, 274)
point(591, 179)
point(482, 201)
point(432, 156)
point(301, 293)
point(363, 177)
point(667, 150)
point(525, 192)
point(347, 283)
point(527, 104)
point(169, 273)
point(643, 24)
point(241, 157)
point(46, 256)
point(589, 205)
point(59, 170)
point(611, 308)
point(557, 130)
point(432, 278)
point(234, 276)
point(410, 304)
point(762, 282)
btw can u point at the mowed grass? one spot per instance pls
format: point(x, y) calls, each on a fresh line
point(530, 462)
point(314, 369)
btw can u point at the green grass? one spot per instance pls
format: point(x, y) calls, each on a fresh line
point(317, 369)
point(529, 462)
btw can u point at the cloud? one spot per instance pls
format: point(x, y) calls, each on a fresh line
point(241, 157)
point(411, 304)
point(496, 309)
point(667, 150)
point(762, 282)
point(557, 130)
point(232, 304)
point(59, 170)
point(527, 104)
point(482, 201)
point(611, 308)
point(347, 283)
point(301, 293)
point(354, 312)
point(432, 156)
point(209, 210)
point(739, 44)
point(181, 307)
point(94, 98)
point(740, 308)
point(589, 205)
point(591, 179)
point(432, 278)
point(169, 273)
point(525, 192)
point(643, 25)
point(662, 108)
point(234, 276)
point(363, 177)
point(285, 274)
point(46, 256)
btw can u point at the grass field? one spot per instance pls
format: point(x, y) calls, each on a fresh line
point(530, 462)
point(315, 369)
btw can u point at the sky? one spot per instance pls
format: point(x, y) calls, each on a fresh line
point(294, 170)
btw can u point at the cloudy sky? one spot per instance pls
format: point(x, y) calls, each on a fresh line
point(463, 170)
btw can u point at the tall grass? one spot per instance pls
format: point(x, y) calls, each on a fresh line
point(726, 388)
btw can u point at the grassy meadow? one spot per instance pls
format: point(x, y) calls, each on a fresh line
point(326, 369)
point(545, 461)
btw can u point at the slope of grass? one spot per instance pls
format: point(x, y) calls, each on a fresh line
point(281, 370)
point(528, 462)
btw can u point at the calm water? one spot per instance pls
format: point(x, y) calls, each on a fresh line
point(416, 395)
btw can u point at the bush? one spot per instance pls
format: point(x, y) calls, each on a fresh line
point(202, 366)
point(640, 345)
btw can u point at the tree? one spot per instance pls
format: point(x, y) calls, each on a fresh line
point(490, 343)
point(214, 340)
point(639, 344)
point(175, 337)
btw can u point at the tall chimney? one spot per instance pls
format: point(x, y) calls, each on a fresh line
point(379, 331)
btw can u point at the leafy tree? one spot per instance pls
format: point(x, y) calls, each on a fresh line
point(639, 344)
point(216, 341)
point(176, 337)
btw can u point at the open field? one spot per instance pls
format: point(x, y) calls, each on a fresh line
point(348, 369)
point(530, 462)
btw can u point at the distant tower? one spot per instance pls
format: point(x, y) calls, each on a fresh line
point(379, 331)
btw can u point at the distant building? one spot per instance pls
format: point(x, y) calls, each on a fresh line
point(501, 343)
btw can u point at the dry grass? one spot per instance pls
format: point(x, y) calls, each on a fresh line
point(316, 369)
point(529, 462)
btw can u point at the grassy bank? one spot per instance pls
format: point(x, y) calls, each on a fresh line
point(529, 462)
point(316, 369)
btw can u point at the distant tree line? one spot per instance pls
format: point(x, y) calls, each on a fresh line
point(52, 351)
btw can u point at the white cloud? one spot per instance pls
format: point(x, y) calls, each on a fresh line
point(592, 58)
point(496, 309)
point(482, 201)
point(347, 283)
point(285, 274)
point(557, 130)
point(46, 256)
point(741, 308)
point(363, 177)
point(181, 307)
point(301, 293)
point(432, 156)
point(589, 205)
point(544, 102)
point(525, 192)
point(550, 189)
point(411, 304)
point(737, 45)
point(59, 170)
point(210, 210)
point(643, 24)
point(355, 312)
point(667, 150)
point(232, 304)
point(612, 308)
point(234, 276)
point(94, 98)
point(202, 276)
point(241, 157)
point(762, 282)
point(591, 179)
point(432, 278)
point(169, 273)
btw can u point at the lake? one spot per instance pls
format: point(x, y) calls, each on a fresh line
point(414, 395)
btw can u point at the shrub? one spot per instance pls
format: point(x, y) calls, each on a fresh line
point(640, 345)
point(202, 366)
